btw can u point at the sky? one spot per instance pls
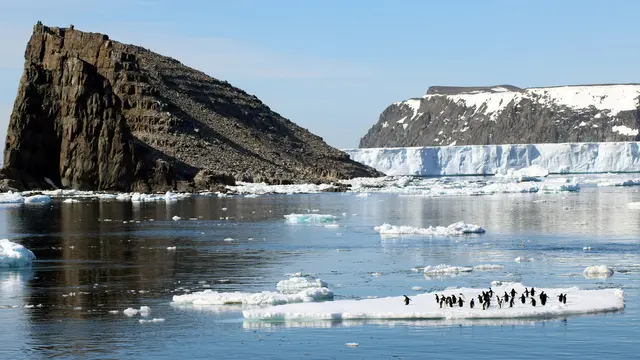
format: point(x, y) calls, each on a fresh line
point(333, 66)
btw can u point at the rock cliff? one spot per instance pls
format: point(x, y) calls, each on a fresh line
point(92, 113)
point(506, 114)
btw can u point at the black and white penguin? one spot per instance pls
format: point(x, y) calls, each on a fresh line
point(437, 299)
point(512, 301)
point(543, 298)
point(453, 298)
point(461, 302)
point(560, 297)
point(564, 298)
point(523, 298)
point(490, 292)
point(533, 301)
point(506, 297)
point(406, 299)
point(526, 292)
point(513, 292)
point(441, 301)
point(499, 301)
point(471, 304)
point(533, 292)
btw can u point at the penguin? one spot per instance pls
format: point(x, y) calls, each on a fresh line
point(533, 292)
point(460, 302)
point(488, 302)
point(560, 297)
point(513, 292)
point(511, 302)
point(506, 297)
point(564, 298)
point(499, 301)
point(406, 299)
point(522, 298)
point(480, 298)
point(543, 298)
point(526, 292)
point(533, 301)
point(471, 304)
point(437, 299)
point(490, 292)
point(453, 298)
point(441, 301)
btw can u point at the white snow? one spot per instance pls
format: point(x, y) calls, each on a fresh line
point(561, 158)
point(424, 306)
point(621, 129)
point(263, 188)
point(597, 272)
point(444, 269)
point(401, 120)
point(37, 199)
point(298, 283)
point(459, 228)
point(309, 218)
point(14, 255)
point(209, 297)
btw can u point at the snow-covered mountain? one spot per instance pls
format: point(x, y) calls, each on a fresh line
point(506, 114)
point(563, 158)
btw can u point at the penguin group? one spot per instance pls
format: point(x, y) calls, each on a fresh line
point(485, 298)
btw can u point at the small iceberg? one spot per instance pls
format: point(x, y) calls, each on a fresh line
point(14, 255)
point(459, 228)
point(309, 218)
point(298, 283)
point(597, 272)
point(11, 198)
point(144, 311)
point(38, 200)
point(444, 269)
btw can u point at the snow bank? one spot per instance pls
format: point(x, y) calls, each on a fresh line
point(425, 307)
point(491, 159)
point(298, 283)
point(309, 218)
point(597, 272)
point(14, 255)
point(459, 228)
point(209, 297)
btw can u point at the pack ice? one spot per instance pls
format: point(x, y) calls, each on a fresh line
point(563, 158)
point(424, 306)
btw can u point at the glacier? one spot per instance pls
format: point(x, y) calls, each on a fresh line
point(557, 158)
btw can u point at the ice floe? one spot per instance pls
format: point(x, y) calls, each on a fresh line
point(459, 228)
point(13, 255)
point(298, 283)
point(597, 272)
point(310, 218)
point(444, 269)
point(209, 297)
point(152, 321)
point(488, 267)
point(37, 199)
point(144, 311)
point(521, 259)
point(424, 306)
point(11, 198)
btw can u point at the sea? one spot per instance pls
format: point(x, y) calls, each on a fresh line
point(98, 257)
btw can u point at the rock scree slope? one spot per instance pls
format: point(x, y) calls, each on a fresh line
point(95, 114)
point(505, 114)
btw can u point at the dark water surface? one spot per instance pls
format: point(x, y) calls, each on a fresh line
point(99, 256)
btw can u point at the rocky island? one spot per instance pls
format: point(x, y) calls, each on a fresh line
point(95, 114)
point(506, 114)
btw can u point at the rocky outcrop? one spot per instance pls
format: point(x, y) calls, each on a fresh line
point(95, 114)
point(506, 114)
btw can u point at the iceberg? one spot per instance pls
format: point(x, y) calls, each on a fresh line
point(38, 199)
point(459, 228)
point(560, 158)
point(11, 198)
point(14, 255)
point(424, 307)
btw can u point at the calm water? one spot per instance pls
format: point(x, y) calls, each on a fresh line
point(86, 249)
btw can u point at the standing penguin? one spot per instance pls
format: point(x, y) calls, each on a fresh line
point(490, 292)
point(564, 298)
point(533, 292)
point(461, 302)
point(506, 297)
point(437, 299)
point(499, 301)
point(406, 299)
point(513, 292)
point(441, 301)
point(522, 298)
point(512, 301)
point(560, 297)
point(526, 292)
point(533, 301)
point(453, 298)
point(471, 304)
point(543, 298)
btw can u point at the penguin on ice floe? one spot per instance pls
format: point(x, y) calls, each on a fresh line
point(406, 299)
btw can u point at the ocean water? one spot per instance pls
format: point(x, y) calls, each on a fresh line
point(98, 256)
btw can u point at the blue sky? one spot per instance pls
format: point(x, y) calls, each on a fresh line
point(333, 66)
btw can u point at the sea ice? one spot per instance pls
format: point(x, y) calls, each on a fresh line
point(143, 311)
point(14, 255)
point(298, 283)
point(152, 321)
point(597, 272)
point(209, 297)
point(37, 199)
point(459, 228)
point(488, 267)
point(176, 218)
point(70, 201)
point(423, 306)
point(444, 269)
point(309, 218)
point(521, 259)
point(11, 198)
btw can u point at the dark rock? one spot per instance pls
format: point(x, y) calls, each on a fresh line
point(95, 114)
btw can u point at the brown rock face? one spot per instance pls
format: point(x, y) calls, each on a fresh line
point(95, 114)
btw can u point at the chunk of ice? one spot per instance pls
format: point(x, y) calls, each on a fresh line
point(209, 297)
point(597, 272)
point(459, 228)
point(309, 218)
point(14, 255)
point(298, 283)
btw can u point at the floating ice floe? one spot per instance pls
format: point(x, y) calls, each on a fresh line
point(13, 255)
point(633, 205)
point(298, 283)
point(459, 228)
point(521, 259)
point(263, 188)
point(209, 297)
point(37, 200)
point(309, 218)
point(488, 267)
point(152, 321)
point(424, 307)
point(444, 269)
point(176, 218)
point(144, 311)
point(11, 198)
point(597, 272)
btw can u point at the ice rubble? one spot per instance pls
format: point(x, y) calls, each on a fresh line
point(597, 272)
point(14, 255)
point(459, 228)
point(559, 158)
point(424, 306)
point(309, 218)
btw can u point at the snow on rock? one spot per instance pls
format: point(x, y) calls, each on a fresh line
point(209, 297)
point(38, 200)
point(298, 283)
point(423, 306)
point(459, 228)
point(144, 311)
point(309, 218)
point(597, 272)
point(444, 269)
point(13, 255)
point(492, 159)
